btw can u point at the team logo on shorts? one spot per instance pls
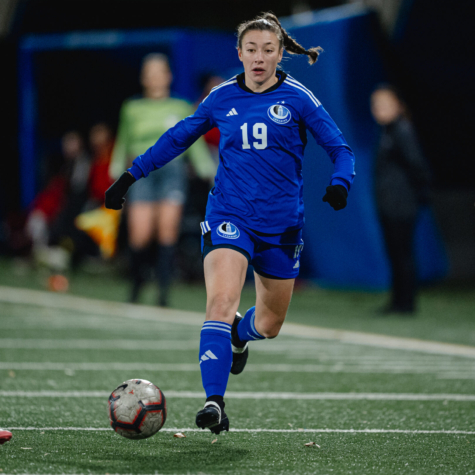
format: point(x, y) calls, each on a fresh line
point(228, 230)
point(279, 114)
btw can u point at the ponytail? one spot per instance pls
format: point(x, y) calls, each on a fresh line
point(268, 21)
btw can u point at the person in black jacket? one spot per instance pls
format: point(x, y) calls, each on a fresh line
point(402, 186)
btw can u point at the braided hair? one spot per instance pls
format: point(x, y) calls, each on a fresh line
point(268, 21)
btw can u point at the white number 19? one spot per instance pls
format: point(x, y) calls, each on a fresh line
point(259, 131)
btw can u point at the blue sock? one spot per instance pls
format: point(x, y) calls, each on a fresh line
point(246, 329)
point(216, 357)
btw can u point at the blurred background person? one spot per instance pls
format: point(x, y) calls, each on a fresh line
point(101, 144)
point(402, 181)
point(55, 239)
point(155, 206)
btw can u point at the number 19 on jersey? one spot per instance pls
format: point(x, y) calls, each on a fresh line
point(259, 132)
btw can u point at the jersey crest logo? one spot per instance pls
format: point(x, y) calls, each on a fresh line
point(279, 114)
point(228, 230)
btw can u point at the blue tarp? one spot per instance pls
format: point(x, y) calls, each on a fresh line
point(345, 248)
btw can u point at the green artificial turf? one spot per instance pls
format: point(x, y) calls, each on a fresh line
point(70, 452)
point(58, 366)
point(446, 311)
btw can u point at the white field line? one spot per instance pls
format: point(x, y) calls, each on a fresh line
point(91, 344)
point(278, 431)
point(259, 395)
point(260, 368)
point(293, 350)
point(117, 309)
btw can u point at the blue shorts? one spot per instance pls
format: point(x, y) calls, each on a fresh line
point(276, 256)
point(165, 184)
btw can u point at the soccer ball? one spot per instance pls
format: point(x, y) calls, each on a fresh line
point(137, 409)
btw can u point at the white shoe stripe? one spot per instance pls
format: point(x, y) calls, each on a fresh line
point(239, 350)
point(212, 403)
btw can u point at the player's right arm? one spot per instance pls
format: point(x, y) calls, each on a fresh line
point(170, 145)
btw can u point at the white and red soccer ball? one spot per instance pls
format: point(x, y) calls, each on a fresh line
point(137, 409)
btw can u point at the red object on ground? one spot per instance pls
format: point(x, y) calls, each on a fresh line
point(58, 283)
point(5, 436)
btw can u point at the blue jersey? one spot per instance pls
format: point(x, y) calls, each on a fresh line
point(263, 137)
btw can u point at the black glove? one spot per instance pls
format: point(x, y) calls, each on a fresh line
point(336, 196)
point(116, 192)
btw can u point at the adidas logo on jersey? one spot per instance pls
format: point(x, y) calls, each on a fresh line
point(209, 355)
point(232, 112)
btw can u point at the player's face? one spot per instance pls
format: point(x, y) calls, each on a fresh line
point(385, 107)
point(156, 77)
point(260, 55)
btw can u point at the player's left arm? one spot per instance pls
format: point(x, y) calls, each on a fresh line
point(330, 138)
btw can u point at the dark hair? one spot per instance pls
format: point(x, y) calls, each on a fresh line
point(268, 21)
point(160, 57)
point(386, 86)
point(396, 92)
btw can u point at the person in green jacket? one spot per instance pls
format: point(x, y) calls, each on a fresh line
point(155, 205)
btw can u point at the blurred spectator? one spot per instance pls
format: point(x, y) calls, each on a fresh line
point(50, 224)
point(402, 186)
point(101, 143)
point(155, 205)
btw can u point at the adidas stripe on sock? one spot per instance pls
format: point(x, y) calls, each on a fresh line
point(246, 329)
point(215, 357)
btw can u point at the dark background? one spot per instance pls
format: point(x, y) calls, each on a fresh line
point(429, 53)
point(53, 16)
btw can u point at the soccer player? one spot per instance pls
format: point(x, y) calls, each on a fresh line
point(155, 205)
point(255, 211)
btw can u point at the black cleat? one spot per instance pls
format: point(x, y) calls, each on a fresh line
point(240, 354)
point(212, 417)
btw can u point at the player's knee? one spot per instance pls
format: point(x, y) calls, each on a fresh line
point(269, 334)
point(270, 331)
point(222, 307)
